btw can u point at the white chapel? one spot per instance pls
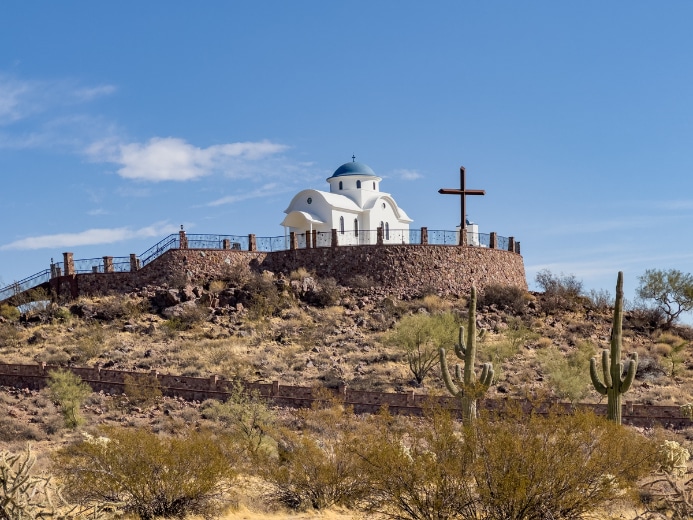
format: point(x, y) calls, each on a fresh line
point(354, 206)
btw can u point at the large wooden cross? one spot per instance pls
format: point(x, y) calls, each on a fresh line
point(462, 192)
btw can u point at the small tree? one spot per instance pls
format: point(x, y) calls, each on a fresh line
point(561, 292)
point(147, 475)
point(420, 336)
point(672, 291)
point(68, 390)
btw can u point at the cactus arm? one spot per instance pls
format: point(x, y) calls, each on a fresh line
point(598, 385)
point(630, 375)
point(486, 377)
point(606, 369)
point(461, 348)
point(446, 374)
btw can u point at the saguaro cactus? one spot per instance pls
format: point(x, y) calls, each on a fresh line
point(469, 389)
point(614, 384)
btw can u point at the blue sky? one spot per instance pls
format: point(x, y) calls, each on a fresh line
point(120, 121)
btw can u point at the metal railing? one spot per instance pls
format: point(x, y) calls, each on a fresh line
point(262, 244)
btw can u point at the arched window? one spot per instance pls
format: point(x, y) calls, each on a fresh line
point(356, 227)
point(341, 223)
point(358, 184)
point(341, 185)
point(387, 231)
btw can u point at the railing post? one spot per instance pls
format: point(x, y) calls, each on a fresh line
point(315, 238)
point(307, 233)
point(293, 241)
point(183, 240)
point(335, 239)
point(107, 264)
point(511, 243)
point(252, 244)
point(134, 263)
point(69, 262)
point(424, 235)
point(379, 236)
point(226, 244)
point(517, 247)
point(54, 269)
point(493, 240)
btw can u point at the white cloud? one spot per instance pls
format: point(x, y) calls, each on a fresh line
point(90, 237)
point(408, 175)
point(173, 159)
point(264, 191)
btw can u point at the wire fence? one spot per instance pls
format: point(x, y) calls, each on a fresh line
point(263, 244)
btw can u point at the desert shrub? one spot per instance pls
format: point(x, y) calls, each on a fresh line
point(265, 298)
point(668, 494)
point(9, 335)
point(361, 281)
point(110, 308)
point(568, 374)
point(216, 286)
point(245, 414)
point(518, 334)
point(88, 343)
point(420, 336)
point(640, 317)
point(672, 348)
point(68, 391)
point(416, 472)
point(12, 430)
point(560, 466)
point(507, 297)
point(328, 293)
point(561, 292)
point(9, 312)
point(600, 300)
point(300, 274)
point(314, 473)
point(142, 390)
point(148, 475)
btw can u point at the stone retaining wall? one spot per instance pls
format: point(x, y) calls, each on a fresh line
point(34, 377)
point(401, 270)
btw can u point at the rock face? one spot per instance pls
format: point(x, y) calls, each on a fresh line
point(402, 270)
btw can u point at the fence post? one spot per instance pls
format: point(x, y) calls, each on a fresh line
point(493, 240)
point(315, 238)
point(517, 247)
point(252, 244)
point(379, 236)
point(424, 235)
point(307, 233)
point(293, 241)
point(511, 243)
point(183, 240)
point(226, 244)
point(107, 264)
point(69, 262)
point(335, 239)
point(274, 391)
point(134, 263)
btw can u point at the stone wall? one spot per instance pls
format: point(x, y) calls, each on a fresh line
point(402, 270)
point(34, 377)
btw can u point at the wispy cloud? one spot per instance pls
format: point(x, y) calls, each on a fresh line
point(90, 237)
point(173, 159)
point(21, 98)
point(264, 191)
point(407, 175)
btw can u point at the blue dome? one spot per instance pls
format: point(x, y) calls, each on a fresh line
point(353, 168)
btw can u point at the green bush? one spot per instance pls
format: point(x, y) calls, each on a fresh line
point(9, 312)
point(69, 391)
point(148, 475)
point(420, 336)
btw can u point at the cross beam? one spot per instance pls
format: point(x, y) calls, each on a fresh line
point(462, 192)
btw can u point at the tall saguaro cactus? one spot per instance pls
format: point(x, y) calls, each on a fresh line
point(469, 388)
point(614, 384)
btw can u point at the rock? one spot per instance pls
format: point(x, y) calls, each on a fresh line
point(187, 293)
point(180, 310)
point(164, 298)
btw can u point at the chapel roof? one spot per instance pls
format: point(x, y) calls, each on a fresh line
point(353, 168)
